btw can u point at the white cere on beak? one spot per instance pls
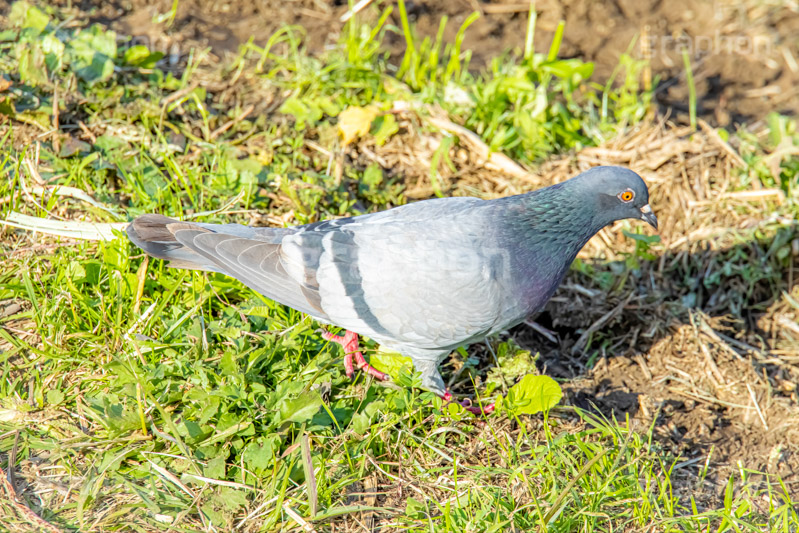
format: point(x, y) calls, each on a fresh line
point(648, 215)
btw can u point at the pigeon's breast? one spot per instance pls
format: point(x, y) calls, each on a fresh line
point(536, 273)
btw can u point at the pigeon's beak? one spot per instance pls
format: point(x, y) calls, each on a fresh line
point(649, 216)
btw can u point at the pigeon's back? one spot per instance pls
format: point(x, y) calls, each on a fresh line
point(426, 277)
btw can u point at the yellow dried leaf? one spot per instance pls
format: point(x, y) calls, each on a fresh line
point(355, 121)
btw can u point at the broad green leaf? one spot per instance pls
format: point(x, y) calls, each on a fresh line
point(302, 408)
point(454, 409)
point(32, 63)
point(55, 396)
point(27, 16)
point(209, 409)
point(295, 107)
point(53, 50)
point(76, 272)
point(533, 394)
point(140, 56)
point(415, 509)
point(7, 108)
point(231, 498)
point(569, 69)
point(360, 423)
point(260, 311)
point(373, 176)
point(328, 106)
point(191, 429)
point(383, 128)
point(92, 52)
point(392, 363)
point(228, 364)
point(258, 454)
point(215, 468)
point(648, 239)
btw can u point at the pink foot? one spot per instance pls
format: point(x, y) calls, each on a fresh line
point(349, 341)
point(469, 406)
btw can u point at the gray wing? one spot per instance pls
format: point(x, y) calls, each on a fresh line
point(426, 280)
point(421, 276)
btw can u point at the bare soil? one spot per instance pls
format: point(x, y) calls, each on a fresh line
point(744, 55)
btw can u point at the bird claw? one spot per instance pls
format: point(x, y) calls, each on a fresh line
point(467, 404)
point(349, 341)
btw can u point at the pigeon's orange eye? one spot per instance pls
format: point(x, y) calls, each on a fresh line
point(627, 196)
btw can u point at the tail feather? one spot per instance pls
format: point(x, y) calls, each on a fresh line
point(155, 235)
point(251, 255)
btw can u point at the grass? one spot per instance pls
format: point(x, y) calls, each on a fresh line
point(136, 397)
point(689, 79)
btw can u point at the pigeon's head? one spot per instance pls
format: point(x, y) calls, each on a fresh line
point(617, 193)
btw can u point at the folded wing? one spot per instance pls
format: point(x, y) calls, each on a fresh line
point(408, 277)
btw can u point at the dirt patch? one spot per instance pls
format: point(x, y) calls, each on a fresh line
point(744, 55)
point(706, 353)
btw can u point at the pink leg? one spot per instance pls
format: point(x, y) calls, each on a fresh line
point(469, 406)
point(349, 341)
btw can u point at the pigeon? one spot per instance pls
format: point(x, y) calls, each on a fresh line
point(421, 279)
